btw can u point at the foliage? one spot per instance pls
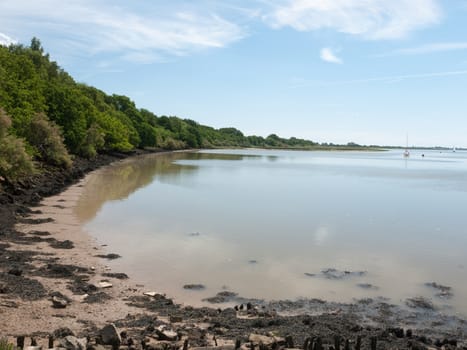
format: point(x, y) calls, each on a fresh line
point(5, 345)
point(14, 160)
point(45, 136)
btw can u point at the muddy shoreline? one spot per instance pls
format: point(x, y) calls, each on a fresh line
point(52, 277)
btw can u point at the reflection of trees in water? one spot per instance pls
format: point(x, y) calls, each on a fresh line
point(118, 181)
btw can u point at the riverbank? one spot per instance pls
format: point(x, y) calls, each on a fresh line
point(52, 277)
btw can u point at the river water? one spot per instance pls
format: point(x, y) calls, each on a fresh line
point(266, 224)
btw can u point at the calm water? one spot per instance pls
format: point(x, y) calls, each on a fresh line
point(254, 222)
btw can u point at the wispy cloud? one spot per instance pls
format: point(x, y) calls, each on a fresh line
point(327, 55)
point(141, 35)
point(385, 79)
point(371, 19)
point(427, 49)
point(6, 40)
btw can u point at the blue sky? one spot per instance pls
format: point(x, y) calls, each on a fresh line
point(365, 71)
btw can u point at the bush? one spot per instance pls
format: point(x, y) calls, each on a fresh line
point(47, 138)
point(172, 144)
point(15, 162)
point(5, 345)
point(94, 141)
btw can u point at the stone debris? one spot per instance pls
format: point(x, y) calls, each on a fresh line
point(104, 285)
point(221, 297)
point(110, 335)
point(265, 340)
point(175, 319)
point(368, 286)
point(71, 342)
point(444, 292)
point(335, 274)
point(117, 275)
point(110, 256)
point(165, 333)
point(195, 286)
point(420, 303)
point(59, 303)
point(153, 294)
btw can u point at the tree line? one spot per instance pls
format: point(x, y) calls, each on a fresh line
point(46, 116)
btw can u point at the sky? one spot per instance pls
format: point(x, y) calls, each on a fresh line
point(364, 71)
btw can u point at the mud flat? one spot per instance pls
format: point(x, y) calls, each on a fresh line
point(54, 281)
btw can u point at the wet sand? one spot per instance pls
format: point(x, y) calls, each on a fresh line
point(39, 315)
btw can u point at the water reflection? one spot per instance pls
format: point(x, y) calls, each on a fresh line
point(120, 180)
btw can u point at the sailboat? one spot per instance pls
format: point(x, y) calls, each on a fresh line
point(406, 152)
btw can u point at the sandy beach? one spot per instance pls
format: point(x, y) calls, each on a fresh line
point(37, 316)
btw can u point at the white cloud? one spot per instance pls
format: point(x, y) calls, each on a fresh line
point(327, 55)
point(143, 34)
point(6, 40)
point(371, 19)
point(385, 79)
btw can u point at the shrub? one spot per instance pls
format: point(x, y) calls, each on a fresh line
point(94, 141)
point(47, 138)
point(15, 162)
point(5, 345)
point(172, 144)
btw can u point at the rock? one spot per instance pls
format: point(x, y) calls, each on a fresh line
point(194, 286)
point(153, 344)
point(117, 275)
point(33, 348)
point(15, 271)
point(444, 292)
point(104, 285)
point(110, 256)
point(110, 335)
point(97, 347)
point(70, 342)
point(367, 286)
point(153, 294)
point(223, 347)
point(59, 303)
point(264, 339)
point(67, 244)
point(176, 319)
point(335, 274)
point(420, 303)
point(221, 297)
point(164, 333)
point(62, 332)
